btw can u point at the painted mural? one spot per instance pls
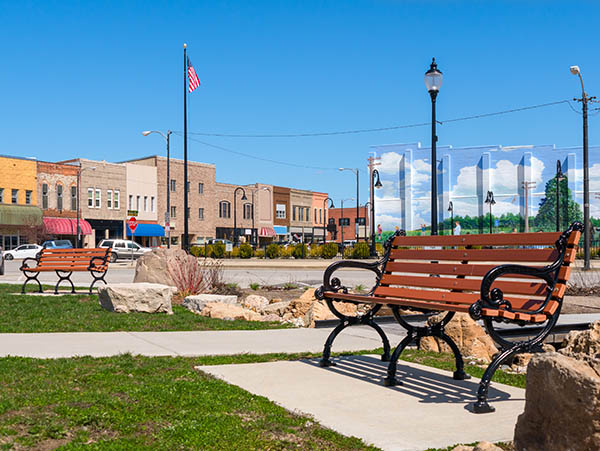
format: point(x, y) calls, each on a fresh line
point(523, 180)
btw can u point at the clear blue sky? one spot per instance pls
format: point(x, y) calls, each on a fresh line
point(85, 78)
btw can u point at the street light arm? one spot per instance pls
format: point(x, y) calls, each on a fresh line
point(166, 137)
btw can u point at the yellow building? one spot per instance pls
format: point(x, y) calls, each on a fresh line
point(20, 218)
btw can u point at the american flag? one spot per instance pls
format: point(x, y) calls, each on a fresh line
point(193, 78)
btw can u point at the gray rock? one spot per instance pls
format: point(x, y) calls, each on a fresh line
point(152, 267)
point(197, 302)
point(255, 302)
point(278, 308)
point(136, 297)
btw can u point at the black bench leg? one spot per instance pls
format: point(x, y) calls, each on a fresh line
point(325, 360)
point(391, 380)
point(30, 279)
point(61, 279)
point(459, 374)
point(385, 357)
point(97, 279)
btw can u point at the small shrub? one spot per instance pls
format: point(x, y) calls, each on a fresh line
point(289, 286)
point(286, 252)
point(348, 252)
point(218, 250)
point(315, 251)
point(379, 249)
point(254, 286)
point(193, 276)
point(359, 288)
point(245, 251)
point(300, 250)
point(235, 252)
point(361, 250)
point(329, 250)
point(259, 253)
point(273, 250)
point(197, 251)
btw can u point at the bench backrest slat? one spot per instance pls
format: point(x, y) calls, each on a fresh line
point(498, 239)
point(72, 258)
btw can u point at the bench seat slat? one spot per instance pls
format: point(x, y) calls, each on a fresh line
point(500, 239)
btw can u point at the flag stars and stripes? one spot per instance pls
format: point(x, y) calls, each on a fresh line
point(194, 82)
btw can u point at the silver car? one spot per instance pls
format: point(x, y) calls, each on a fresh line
point(124, 249)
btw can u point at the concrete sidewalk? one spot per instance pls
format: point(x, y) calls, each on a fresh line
point(188, 344)
point(429, 410)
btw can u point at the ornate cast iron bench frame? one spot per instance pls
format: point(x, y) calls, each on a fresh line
point(64, 262)
point(489, 305)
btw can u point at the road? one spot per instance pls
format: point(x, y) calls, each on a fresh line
point(122, 273)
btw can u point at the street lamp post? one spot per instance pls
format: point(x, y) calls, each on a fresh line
point(433, 83)
point(325, 216)
point(451, 210)
point(585, 99)
point(357, 212)
point(264, 188)
point(376, 183)
point(235, 235)
point(79, 171)
point(490, 200)
point(559, 178)
point(168, 212)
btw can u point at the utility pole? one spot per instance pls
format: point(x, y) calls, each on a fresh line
point(373, 161)
point(526, 187)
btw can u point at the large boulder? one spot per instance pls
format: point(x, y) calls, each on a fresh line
point(277, 308)
point(255, 302)
point(584, 345)
point(469, 336)
point(197, 302)
point(229, 311)
point(136, 297)
point(562, 405)
point(152, 266)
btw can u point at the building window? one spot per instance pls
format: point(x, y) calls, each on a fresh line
point(344, 222)
point(300, 213)
point(173, 212)
point(188, 187)
point(73, 198)
point(145, 203)
point(280, 211)
point(200, 188)
point(131, 201)
point(117, 202)
point(320, 216)
point(1, 199)
point(138, 200)
point(59, 197)
point(307, 213)
point(201, 214)
point(15, 196)
point(98, 198)
point(224, 209)
point(173, 185)
point(90, 197)
point(294, 213)
point(109, 199)
point(152, 204)
point(248, 211)
point(28, 197)
point(315, 216)
point(45, 196)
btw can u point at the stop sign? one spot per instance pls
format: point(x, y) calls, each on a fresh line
point(132, 223)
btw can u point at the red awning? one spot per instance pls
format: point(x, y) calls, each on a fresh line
point(268, 232)
point(66, 226)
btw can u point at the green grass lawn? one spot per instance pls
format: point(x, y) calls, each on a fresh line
point(83, 313)
point(133, 402)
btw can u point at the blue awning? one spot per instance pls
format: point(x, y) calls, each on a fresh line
point(280, 230)
point(147, 230)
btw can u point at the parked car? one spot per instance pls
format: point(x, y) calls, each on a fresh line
point(124, 249)
point(1, 262)
point(57, 244)
point(23, 251)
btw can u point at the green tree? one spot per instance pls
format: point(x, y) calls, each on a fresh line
point(569, 209)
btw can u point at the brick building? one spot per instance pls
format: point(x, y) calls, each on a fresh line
point(281, 212)
point(301, 226)
point(201, 197)
point(346, 224)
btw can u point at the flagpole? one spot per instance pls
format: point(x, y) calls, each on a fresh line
point(185, 243)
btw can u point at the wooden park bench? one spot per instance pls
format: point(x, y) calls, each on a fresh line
point(66, 261)
point(517, 278)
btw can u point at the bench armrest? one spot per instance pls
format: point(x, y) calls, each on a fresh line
point(25, 266)
point(334, 284)
point(93, 263)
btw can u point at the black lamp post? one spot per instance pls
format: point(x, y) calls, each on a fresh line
point(559, 178)
point(376, 184)
point(168, 212)
point(585, 99)
point(451, 210)
point(325, 216)
point(235, 235)
point(255, 237)
point(433, 83)
point(357, 202)
point(490, 200)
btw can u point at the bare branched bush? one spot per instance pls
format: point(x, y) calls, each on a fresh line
point(194, 275)
point(584, 283)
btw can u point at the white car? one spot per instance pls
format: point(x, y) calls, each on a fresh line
point(23, 251)
point(124, 249)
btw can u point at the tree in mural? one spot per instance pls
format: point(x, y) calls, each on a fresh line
point(569, 209)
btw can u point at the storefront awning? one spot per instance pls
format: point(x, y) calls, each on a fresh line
point(147, 230)
point(20, 215)
point(267, 232)
point(280, 230)
point(66, 226)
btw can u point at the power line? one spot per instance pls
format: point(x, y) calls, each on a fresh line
point(375, 130)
